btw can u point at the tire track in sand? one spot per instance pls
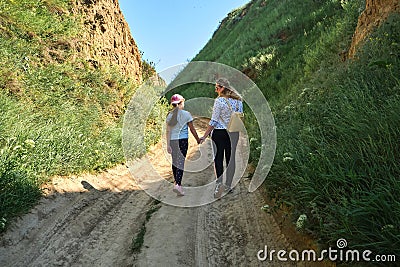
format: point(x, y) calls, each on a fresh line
point(91, 220)
point(227, 232)
point(79, 225)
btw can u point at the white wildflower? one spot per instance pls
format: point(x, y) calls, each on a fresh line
point(3, 222)
point(387, 227)
point(301, 221)
point(288, 154)
point(265, 207)
point(30, 143)
point(287, 159)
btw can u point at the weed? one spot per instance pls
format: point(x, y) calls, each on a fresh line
point(138, 241)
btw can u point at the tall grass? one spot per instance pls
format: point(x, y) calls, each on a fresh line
point(337, 158)
point(59, 115)
point(344, 141)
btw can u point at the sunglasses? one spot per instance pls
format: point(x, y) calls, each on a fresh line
point(218, 86)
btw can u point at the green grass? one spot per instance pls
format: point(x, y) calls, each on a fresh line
point(337, 158)
point(138, 240)
point(59, 115)
point(344, 140)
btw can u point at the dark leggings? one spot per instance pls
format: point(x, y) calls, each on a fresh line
point(225, 144)
point(179, 149)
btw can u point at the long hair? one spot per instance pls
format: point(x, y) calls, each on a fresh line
point(228, 90)
point(230, 94)
point(174, 119)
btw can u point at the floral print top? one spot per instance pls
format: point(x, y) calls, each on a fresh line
point(222, 113)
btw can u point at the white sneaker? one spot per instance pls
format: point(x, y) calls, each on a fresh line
point(229, 189)
point(219, 189)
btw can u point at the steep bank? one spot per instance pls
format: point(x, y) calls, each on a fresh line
point(106, 37)
point(67, 72)
point(337, 149)
point(375, 13)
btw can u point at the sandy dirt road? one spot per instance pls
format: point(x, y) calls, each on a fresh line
point(93, 220)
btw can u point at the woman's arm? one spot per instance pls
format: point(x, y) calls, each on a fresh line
point(216, 111)
point(207, 133)
point(214, 119)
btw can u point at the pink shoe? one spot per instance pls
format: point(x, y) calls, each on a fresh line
point(180, 191)
point(176, 189)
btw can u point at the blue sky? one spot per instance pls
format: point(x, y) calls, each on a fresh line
point(171, 32)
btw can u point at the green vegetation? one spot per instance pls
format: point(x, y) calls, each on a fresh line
point(137, 242)
point(337, 158)
point(59, 114)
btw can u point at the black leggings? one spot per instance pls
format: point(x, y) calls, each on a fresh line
point(179, 149)
point(225, 144)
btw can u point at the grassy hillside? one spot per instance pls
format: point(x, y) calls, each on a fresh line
point(59, 114)
point(337, 119)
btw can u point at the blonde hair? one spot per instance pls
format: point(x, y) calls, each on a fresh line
point(174, 119)
point(229, 90)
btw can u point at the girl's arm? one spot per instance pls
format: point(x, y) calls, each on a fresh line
point(168, 136)
point(193, 131)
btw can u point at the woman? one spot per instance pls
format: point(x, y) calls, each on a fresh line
point(225, 142)
point(178, 122)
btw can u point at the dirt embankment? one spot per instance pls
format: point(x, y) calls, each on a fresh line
point(376, 12)
point(92, 220)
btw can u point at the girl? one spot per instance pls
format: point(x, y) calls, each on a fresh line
point(178, 122)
